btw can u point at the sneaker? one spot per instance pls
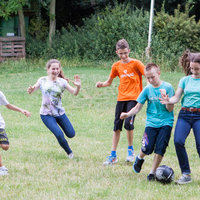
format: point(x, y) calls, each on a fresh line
point(184, 179)
point(130, 155)
point(71, 155)
point(110, 160)
point(151, 177)
point(137, 166)
point(3, 171)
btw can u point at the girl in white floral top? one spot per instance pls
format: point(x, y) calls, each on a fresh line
point(52, 113)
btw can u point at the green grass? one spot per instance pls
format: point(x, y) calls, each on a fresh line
point(40, 169)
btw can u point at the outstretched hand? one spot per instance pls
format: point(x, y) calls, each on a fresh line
point(30, 89)
point(99, 84)
point(77, 81)
point(26, 113)
point(123, 115)
point(164, 97)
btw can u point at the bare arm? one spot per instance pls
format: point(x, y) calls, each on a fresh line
point(77, 83)
point(132, 112)
point(33, 88)
point(105, 83)
point(173, 100)
point(15, 108)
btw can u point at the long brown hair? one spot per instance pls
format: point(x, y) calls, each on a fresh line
point(186, 58)
point(61, 75)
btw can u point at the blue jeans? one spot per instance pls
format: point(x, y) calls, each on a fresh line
point(186, 121)
point(54, 124)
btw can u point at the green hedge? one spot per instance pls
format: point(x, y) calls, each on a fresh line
point(96, 39)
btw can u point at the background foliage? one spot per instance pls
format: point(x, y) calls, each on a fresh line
point(96, 38)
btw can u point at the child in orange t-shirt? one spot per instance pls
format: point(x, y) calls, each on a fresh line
point(130, 72)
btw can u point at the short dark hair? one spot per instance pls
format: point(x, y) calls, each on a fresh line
point(149, 66)
point(122, 44)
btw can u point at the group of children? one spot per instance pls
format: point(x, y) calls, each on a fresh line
point(160, 99)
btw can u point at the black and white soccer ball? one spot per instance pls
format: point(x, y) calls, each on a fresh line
point(164, 174)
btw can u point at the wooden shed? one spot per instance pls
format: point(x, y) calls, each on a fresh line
point(12, 48)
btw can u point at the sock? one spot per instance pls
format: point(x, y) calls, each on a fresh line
point(130, 147)
point(113, 153)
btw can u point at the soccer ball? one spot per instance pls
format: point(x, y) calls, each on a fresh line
point(164, 174)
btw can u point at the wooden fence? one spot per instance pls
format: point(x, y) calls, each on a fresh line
point(12, 48)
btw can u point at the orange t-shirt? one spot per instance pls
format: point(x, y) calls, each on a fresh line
point(130, 75)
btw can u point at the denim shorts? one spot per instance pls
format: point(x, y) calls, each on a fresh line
point(156, 139)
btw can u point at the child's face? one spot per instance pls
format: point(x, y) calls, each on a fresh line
point(123, 54)
point(195, 68)
point(153, 77)
point(54, 69)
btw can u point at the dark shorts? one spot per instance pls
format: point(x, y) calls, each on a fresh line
point(3, 137)
point(124, 106)
point(156, 139)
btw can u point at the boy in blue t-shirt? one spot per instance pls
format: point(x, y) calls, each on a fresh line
point(159, 119)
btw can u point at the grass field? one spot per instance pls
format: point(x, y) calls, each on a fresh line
point(40, 169)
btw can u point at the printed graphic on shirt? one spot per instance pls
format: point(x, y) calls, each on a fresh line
point(145, 141)
point(126, 75)
point(51, 93)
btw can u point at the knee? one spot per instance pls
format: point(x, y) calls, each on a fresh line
point(72, 134)
point(178, 143)
point(5, 147)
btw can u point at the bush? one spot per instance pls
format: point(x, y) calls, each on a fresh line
point(96, 39)
point(175, 33)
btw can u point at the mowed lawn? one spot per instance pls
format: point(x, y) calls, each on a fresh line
point(40, 169)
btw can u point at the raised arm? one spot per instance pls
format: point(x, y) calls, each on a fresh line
point(15, 108)
point(132, 112)
point(77, 83)
point(33, 88)
point(105, 83)
point(173, 100)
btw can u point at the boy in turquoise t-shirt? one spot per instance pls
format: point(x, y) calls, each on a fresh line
point(159, 119)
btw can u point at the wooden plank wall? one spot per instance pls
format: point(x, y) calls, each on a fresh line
point(12, 48)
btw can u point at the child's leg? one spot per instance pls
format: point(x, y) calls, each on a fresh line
point(129, 135)
point(52, 125)
point(66, 125)
point(156, 162)
point(115, 141)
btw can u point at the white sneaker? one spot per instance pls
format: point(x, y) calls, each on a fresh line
point(71, 155)
point(130, 155)
point(110, 160)
point(184, 179)
point(3, 171)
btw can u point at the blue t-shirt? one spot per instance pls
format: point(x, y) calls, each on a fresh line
point(157, 114)
point(191, 92)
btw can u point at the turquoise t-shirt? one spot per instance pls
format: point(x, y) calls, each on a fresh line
point(157, 114)
point(191, 92)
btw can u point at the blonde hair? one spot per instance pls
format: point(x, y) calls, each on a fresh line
point(50, 62)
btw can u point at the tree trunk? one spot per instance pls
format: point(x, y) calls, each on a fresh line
point(52, 24)
point(21, 22)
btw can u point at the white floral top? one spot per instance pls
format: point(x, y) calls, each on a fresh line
point(51, 96)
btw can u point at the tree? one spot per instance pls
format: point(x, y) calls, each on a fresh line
point(8, 7)
point(52, 20)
